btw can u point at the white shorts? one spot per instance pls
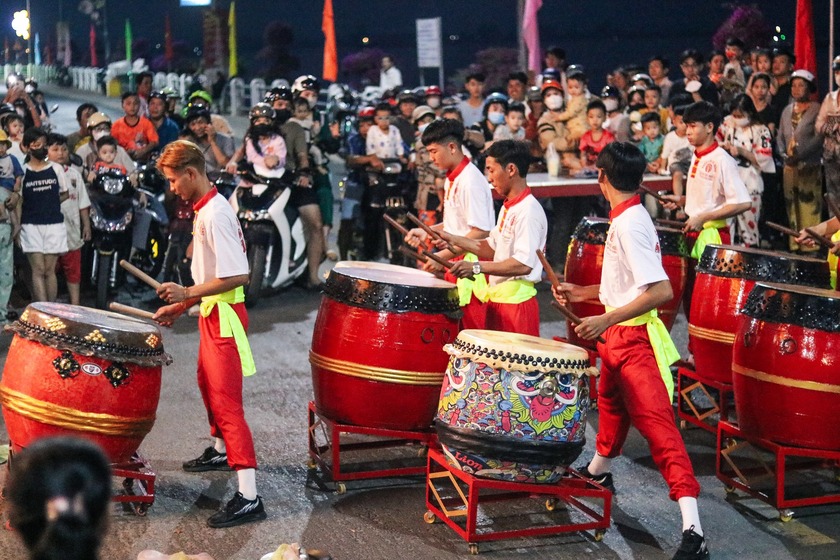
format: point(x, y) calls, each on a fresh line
point(50, 239)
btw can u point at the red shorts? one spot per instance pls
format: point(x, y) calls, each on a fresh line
point(70, 264)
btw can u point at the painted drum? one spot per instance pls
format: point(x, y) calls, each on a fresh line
point(82, 372)
point(377, 349)
point(784, 366)
point(725, 276)
point(513, 407)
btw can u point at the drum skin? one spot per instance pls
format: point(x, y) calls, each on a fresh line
point(784, 366)
point(725, 276)
point(48, 391)
point(513, 418)
point(381, 368)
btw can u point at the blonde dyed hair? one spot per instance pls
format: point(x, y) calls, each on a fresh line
point(181, 154)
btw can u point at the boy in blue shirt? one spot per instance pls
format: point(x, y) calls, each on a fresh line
point(651, 144)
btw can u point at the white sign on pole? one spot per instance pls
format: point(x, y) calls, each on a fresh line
point(429, 47)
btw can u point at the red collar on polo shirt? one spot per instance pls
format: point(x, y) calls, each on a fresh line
point(205, 199)
point(629, 203)
point(452, 175)
point(707, 151)
point(514, 201)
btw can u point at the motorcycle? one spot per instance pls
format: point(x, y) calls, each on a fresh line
point(386, 193)
point(273, 231)
point(150, 237)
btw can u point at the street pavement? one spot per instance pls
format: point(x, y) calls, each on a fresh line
point(383, 519)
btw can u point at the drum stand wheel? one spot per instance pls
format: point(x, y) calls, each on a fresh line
point(599, 535)
point(138, 484)
point(429, 517)
point(340, 488)
point(785, 515)
point(473, 549)
point(550, 504)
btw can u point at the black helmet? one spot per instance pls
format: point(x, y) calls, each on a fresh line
point(261, 110)
point(158, 95)
point(196, 112)
point(281, 92)
point(406, 95)
point(610, 91)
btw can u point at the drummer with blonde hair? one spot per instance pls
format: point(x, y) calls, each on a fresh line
point(220, 270)
point(509, 255)
point(636, 386)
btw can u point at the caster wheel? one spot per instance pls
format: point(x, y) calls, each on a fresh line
point(340, 488)
point(421, 452)
point(140, 510)
point(551, 504)
point(473, 549)
point(683, 424)
point(311, 464)
point(429, 517)
point(785, 515)
point(599, 535)
point(729, 489)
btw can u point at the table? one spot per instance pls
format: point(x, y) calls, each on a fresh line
point(545, 186)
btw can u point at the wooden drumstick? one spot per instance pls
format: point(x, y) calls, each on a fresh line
point(821, 239)
point(552, 277)
point(442, 262)
point(412, 253)
point(575, 320)
point(428, 230)
point(128, 310)
point(670, 223)
point(656, 195)
point(139, 274)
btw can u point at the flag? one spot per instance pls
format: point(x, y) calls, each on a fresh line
point(37, 49)
point(330, 72)
point(531, 35)
point(804, 46)
point(128, 39)
point(6, 50)
point(93, 60)
point(168, 52)
point(233, 63)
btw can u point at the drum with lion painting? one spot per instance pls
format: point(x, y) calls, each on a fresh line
point(513, 407)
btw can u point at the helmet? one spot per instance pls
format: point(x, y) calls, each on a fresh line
point(533, 94)
point(98, 118)
point(551, 74)
point(610, 91)
point(804, 74)
point(549, 84)
point(642, 77)
point(201, 94)
point(305, 82)
point(836, 64)
point(13, 79)
point(406, 95)
point(495, 97)
point(367, 112)
point(196, 112)
point(261, 110)
point(281, 92)
point(421, 111)
point(433, 90)
point(168, 92)
point(158, 95)
point(31, 85)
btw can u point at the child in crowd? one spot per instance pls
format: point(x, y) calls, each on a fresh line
point(635, 106)
point(13, 126)
point(76, 210)
point(106, 150)
point(651, 144)
point(10, 174)
point(653, 104)
point(750, 143)
point(265, 148)
point(430, 178)
point(134, 132)
point(676, 152)
point(594, 139)
point(575, 114)
point(384, 140)
point(514, 128)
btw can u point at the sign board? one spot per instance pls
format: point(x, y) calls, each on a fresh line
point(429, 47)
point(187, 3)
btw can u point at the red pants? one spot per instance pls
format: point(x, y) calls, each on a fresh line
point(522, 318)
point(691, 238)
point(475, 312)
point(631, 390)
point(220, 383)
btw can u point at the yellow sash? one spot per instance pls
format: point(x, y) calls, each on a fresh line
point(660, 340)
point(509, 291)
point(710, 235)
point(467, 287)
point(832, 261)
point(230, 325)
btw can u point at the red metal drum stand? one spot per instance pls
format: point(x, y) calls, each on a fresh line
point(329, 454)
point(452, 494)
point(138, 483)
point(690, 410)
point(761, 468)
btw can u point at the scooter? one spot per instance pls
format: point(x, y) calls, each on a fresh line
point(387, 191)
point(273, 230)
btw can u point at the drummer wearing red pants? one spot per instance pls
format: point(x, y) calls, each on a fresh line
point(220, 269)
point(509, 255)
point(636, 386)
point(467, 210)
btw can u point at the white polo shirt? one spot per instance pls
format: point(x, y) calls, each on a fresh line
point(467, 200)
point(713, 181)
point(218, 243)
point(520, 231)
point(632, 258)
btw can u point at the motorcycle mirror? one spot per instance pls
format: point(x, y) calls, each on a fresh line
point(54, 108)
point(76, 160)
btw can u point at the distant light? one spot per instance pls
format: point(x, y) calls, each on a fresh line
point(778, 29)
point(365, 40)
point(454, 37)
point(157, 46)
point(775, 37)
point(782, 37)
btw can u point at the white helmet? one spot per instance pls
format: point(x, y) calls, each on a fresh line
point(303, 83)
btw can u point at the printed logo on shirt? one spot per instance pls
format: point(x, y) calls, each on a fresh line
point(708, 170)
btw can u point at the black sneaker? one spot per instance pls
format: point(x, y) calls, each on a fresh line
point(238, 511)
point(210, 460)
point(605, 479)
point(693, 546)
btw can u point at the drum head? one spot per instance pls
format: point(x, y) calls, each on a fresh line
point(391, 274)
point(92, 332)
point(804, 306)
point(520, 352)
point(760, 265)
point(592, 231)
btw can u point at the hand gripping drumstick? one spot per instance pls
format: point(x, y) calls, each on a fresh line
point(128, 310)
point(139, 274)
point(428, 230)
point(656, 195)
point(442, 262)
point(821, 239)
point(552, 277)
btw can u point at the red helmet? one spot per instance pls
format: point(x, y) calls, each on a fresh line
point(433, 90)
point(366, 112)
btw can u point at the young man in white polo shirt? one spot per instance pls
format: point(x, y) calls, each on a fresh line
point(636, 386)
point(509, 255)
point(467, 210)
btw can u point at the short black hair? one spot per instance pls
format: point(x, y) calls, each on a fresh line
point(596, 104)
point(651, 116)
point(56, 139)
point(128, 94)
point(558, 52)
point(693, 54)
point(106, 140)
point(744, 103)
point(443, 131)
point(84, 107)
point(661, 59)
point(515, 108)
point(511, 151)
point(31, 134)
point(680, 99)
point(477, 76)
point(763, 77)
point(576, 75)
point(655, 88)
point(519, 76)
point(784, 50)
point(623, 164)
point(143, 75)
point(383, 106)
point(679, 110)
point(735, 42)
point(702, 112)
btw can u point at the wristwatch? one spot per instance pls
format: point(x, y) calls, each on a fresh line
point(476, 268)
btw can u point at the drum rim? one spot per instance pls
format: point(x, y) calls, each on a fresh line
point(766, 303)
point(813, 272)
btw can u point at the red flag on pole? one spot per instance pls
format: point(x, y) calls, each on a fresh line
point(804, 47)
point(93, 60)
point(330, 51)
point(168, 52)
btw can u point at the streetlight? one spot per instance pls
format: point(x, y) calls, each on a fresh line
point(22, 25)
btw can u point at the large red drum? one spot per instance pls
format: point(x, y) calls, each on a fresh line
point(377, 349)
point(674, 248)
point(83, 372)
point(725, 276)
point(785, 365)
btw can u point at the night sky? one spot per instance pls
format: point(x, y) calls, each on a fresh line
point(599, 34)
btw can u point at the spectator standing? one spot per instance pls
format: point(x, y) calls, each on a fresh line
point(828, 124)
point(471, 107)
point(216, 147)
point(167, 130)
point(782, 68)
point(10, 178)
point(699, 87)
point(658, 71)
point(79, 137)
point(144, 91)
point(390, 76)
point(134, 132)
point(406, 103)
point(676, 152)
point(594, 139)
point(384, 139)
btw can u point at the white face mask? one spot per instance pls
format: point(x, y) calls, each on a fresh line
point(433, 102)
point(742, 122)
point(422, 128)
point(611, 104)
point(97, 134)
point(554, 102)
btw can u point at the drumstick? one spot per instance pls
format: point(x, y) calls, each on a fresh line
point(139, 274)
point(128, 310)
point(428, 230)
point(412, 253)
point(656, 195)
point(442, 262)
point(552, 277)
point(821, 239)
point(575, 320)
point(670, 223)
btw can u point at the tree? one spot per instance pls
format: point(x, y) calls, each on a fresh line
point(362, 67)
point(495, 63)
point(278, 62)
point(746, 23)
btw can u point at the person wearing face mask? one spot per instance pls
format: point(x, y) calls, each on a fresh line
point(617, 121)
point(204, 100)
point(433, 96)
point(265, 149)
point(828, 124)
point(495, 107)
point(430, 178)
point(99, 126)
point(553, 127)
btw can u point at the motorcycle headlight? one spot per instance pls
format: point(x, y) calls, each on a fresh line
point(392, 168)
point(112, 186)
